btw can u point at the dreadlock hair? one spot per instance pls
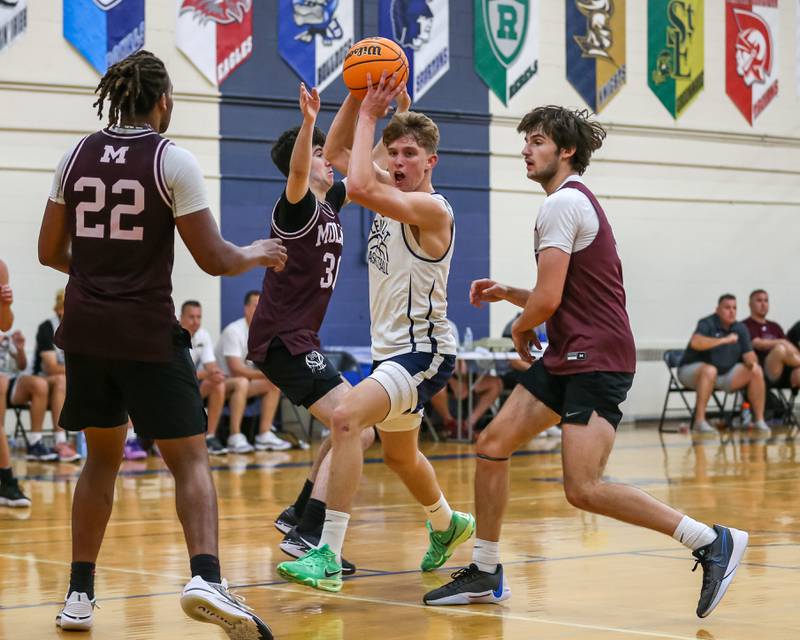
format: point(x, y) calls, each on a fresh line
point(282, 149)
point(568, 129)
point(133, 86)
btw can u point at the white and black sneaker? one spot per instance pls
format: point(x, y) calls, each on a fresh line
point(719, 560)
point(77, 614)
point(287, 520)
point(470, 585)
point(11, 495)
point(209, 602)
point(297, 544)
point(215, 446)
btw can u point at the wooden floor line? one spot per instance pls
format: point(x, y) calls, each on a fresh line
point(12, 556)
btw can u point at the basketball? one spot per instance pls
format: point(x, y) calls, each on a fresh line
point(373, 56)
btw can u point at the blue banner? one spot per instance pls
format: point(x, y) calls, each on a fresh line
point(104, 31)
point(314, 37)
point(422, 27)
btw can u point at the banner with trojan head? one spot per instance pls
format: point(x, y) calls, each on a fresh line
point(675, 52)
point(596, 49)
point(751, 66)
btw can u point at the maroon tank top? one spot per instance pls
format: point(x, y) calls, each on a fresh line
point(118, 301)
point(590, 330)
point(294, 301)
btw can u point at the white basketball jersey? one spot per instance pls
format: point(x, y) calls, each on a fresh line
point(407, 291)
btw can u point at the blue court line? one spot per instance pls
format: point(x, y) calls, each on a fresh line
point(376, 573)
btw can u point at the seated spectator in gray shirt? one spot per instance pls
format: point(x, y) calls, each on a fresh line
point(720, 356)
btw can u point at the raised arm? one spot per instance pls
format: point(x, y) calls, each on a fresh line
point(6, 298)
point(340, 135)
point(300, 163)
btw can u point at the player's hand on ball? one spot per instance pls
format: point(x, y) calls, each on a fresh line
point(403, 101)
point(309, 102)
point(380, 96)
point(273, 253)
point(485, 290)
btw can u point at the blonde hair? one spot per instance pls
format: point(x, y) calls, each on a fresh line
point(415, 125)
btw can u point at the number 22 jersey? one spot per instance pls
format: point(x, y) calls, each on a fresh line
point(294, 301)
point(122, 188)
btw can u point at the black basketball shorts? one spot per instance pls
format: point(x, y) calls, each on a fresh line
point(304, 378)
point(574, 397)
point(161, 398)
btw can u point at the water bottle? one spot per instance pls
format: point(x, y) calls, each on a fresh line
point(467, 344)
point(747, 415)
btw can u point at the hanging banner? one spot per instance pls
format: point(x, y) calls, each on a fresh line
point(13, 21)
point(422, 27)
point(104, 31)
point(314, 37)
point(596, 49)
point(675, 52)
point(797, 51)
point(216, 36)
point(506, 44)
point(751, 68)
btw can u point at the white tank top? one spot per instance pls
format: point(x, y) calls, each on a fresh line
point(407, 291)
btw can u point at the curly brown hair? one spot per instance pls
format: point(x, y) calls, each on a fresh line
point(133, 86)
point(416, 125)
point(569, 129)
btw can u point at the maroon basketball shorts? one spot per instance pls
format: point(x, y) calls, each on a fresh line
point(304, 378)
point(575, 397)
point(161, 398)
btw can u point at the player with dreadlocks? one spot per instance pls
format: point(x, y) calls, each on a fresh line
point(117, 197)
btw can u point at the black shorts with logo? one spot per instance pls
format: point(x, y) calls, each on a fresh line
point(161, 398)
point(574, 397)
point(304, 378)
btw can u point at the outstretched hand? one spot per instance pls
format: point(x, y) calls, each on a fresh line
point(380, 96)
point(485, 290)
point(309, 102)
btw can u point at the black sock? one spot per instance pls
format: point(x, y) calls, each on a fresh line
point(6, 475)
point(206, 566)
point(313, 516)
point(302, 498)
point(81, 578)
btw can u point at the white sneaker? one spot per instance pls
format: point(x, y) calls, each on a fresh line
point(209, 602)
point(237, 443)
point(77, 613)
point(703, 427)
point(762, 427)
point(270, 442)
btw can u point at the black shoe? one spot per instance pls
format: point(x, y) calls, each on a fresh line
point(287, 520)
point(215, 447)
point(471, 586)
point(296, 545)
point(11, 495)
point(719, 560)
point(41, 452)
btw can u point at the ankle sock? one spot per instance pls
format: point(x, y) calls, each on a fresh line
point(34, 437)
point(333, 531)
point(440, 514)
point(313, 516)
point(302, 498)
point(486, 555)
point(81, 578)
point(694, 534)
point(206, 566)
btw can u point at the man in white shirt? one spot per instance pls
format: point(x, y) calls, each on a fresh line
point(232, 358)
point(214, 385)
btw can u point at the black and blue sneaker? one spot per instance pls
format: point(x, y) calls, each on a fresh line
point(719, 560)
point(470, 585)
point(286, 520)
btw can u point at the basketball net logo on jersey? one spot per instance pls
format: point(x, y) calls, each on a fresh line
point(753, 47)
point(112, 153)
point(377, 253)
point(315, 362)
point(219, 11)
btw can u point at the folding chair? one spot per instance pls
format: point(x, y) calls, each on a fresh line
point(787, 396)
point(19, 428)
point(672, 358)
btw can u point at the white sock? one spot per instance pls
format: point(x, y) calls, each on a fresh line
point(60, 436)
point(333, 531)
point(486, 555)
point(34, 437)
point(440, 514)
point(131, 434)
point(694, 534)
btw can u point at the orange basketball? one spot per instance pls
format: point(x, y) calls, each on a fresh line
point(373, 56)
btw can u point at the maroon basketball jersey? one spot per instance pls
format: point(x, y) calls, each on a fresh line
point(590, 330)
point(294, 301)
point(118, 301)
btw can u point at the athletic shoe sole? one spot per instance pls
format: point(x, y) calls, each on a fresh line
point(740, 539)
point(317, 583)
point(199, 606)
point(74, 623)
point(20, 502)
point(484, 597)
point(283, 526)
point(295, 550)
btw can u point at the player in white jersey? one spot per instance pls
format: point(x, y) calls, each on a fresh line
point(410, 247)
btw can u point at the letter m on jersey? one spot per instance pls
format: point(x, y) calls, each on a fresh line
point(110, 154)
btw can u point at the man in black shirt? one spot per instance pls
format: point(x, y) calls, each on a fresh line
point(720, 356)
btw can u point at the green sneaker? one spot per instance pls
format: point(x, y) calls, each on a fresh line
point(318, 569)
point(443, 543)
